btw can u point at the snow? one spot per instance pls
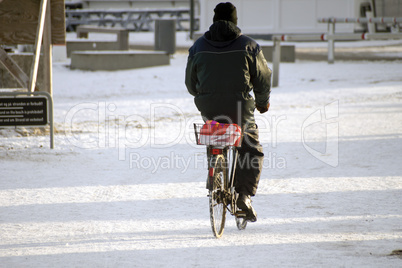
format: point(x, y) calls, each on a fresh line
point(125, 184)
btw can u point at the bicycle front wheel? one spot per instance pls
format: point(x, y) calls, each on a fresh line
point(217, 206)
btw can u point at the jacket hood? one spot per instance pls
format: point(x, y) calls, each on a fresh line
point(222, 33)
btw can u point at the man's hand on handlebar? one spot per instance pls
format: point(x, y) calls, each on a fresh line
point(263, 109)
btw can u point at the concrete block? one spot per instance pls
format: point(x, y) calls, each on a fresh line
point(121, 33)
point(59, 53)
point(287, 53)
point(117, 60)
point(85, 45)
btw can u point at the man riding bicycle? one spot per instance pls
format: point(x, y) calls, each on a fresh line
point(223, 67)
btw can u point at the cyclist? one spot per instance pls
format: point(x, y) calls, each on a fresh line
point(223, 67)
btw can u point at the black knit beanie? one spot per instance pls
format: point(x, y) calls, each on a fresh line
point(225, 11)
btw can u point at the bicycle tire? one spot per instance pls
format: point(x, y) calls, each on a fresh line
point(217, 206)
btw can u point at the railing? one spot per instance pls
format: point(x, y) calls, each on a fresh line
point(331, 37)
point(360, 20)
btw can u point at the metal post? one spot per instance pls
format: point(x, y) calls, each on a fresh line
point(192, 19)
point(51, 119)
point(276, 58)
point(331, 42)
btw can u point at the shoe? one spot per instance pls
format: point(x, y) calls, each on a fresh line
point(244, 203)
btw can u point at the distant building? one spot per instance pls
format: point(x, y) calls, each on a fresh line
point(300, 16)
point(271, 16)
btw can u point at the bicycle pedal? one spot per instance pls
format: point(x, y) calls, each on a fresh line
point(240, 214)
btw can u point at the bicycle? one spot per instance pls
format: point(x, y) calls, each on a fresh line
point(222, 141)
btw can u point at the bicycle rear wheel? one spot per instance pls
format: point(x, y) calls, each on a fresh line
point(217, 206)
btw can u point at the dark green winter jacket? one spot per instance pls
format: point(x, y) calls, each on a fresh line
point(223, 68)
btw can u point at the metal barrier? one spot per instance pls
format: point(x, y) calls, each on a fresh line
point(330, 37)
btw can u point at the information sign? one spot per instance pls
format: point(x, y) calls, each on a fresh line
point(23, 111)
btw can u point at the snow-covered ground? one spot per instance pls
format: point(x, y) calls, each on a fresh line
point(125, 184)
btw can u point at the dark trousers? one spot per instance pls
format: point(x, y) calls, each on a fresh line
point(250, 162)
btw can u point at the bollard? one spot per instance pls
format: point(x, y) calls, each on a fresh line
point(370, 24)
point(331, 42)
point(165, 35)
point(276, 59)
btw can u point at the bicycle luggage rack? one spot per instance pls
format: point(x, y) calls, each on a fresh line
point(217, 139)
